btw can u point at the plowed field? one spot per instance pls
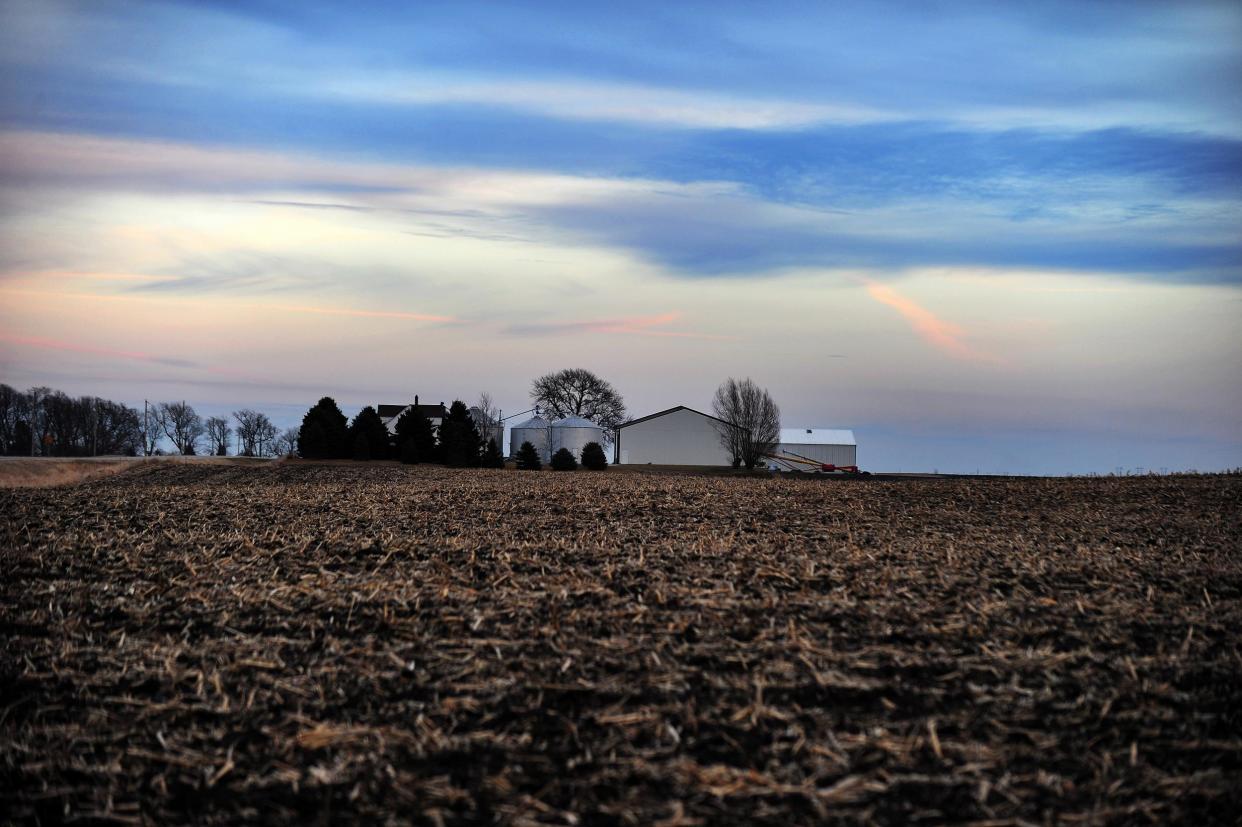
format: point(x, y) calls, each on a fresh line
point(333, 643)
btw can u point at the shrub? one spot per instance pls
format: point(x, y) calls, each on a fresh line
point(491, 456)
point(563, 460)
point(528, 458)
point(593, 457)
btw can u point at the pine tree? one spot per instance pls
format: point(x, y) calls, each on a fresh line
point(409, 453)
point(459, 439)
point(415, 428)
point(331, 441)
point(362, 450)
point(528, 458)
point(593, 457)
point(369, 424)
point(491, 456)
point(563, 460)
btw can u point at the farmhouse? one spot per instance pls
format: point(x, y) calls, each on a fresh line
point(827, 445)
point(678, 436)
point(389, 414)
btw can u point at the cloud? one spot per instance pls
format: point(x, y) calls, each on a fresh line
point(631, 325)
point(373, 314)
point(944, 336)
point(76, 347)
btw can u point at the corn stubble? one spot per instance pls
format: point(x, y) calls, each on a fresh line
point(419, 645)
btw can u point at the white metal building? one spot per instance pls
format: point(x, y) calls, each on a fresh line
point(828, 445)
point(678, 436)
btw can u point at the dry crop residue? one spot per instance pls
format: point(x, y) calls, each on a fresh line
point(419, 645)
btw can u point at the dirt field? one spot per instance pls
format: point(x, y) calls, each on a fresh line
point(297, 643)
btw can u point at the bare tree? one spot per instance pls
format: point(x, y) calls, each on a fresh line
point(486, 418)
point(753, 428)
point(578, 392)
point(256, 435)
point(181, 425)
point(287, 443)
point(219, 435)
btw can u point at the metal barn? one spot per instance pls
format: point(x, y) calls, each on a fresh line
point(831, 446)
point(677, 436)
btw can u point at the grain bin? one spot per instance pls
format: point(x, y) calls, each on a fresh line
point(574, 432)
point(534, 431)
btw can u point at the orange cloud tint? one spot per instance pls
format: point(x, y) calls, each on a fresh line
point(74, 347)
point(630, 325)
point(347, 311)
point(943, 335)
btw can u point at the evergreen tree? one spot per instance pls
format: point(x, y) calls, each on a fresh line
point(415, 428)
point(528, 458)
point(491, 456)
point(459, 439)
point(593, 457)
point(563, 460)
point(368, 423)
point(362, 449)
point(331, 441)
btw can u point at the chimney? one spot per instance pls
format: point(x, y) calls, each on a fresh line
point(416, 400)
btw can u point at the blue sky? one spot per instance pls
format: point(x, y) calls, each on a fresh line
point(928, 222)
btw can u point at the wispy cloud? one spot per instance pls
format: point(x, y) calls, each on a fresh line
point(77, 347)
point(373, 314)
point(630, 325)
point(944, 336)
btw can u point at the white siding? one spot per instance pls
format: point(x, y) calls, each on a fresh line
point(832, 454)
point(678, 438)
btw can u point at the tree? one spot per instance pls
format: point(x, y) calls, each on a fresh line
point(593, 457)
point(334, 443)
point(287, 442)
point(180, 424)
point(311, 441)
point(218, 435)
point(563, 460)
point(256, 435)
point(486, 418)
point(528, 458)
point(491, 456)
point(578, 392)
point(416, 437)
point(362, 447)
point(753, 428)
point(368, 423)
point(459, 440)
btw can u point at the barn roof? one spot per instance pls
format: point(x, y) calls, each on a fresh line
point(816, 436)
point(666, 413)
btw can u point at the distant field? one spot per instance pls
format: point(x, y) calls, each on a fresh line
point(293, 642)
point(45, 472)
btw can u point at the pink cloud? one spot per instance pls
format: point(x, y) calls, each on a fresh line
point(941, 334)
point(629, 325)
point(75, 347)
point(349, 311)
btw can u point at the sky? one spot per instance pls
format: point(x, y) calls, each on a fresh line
point(986, 237)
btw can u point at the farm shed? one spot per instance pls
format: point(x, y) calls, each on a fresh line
point(389, 414)
point(827, 445)
point(678, 436)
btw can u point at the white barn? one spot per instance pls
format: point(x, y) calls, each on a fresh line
point(828, 445)
point(677, 436)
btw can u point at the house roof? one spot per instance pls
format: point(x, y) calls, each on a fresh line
point(669, 411)
point(816, 436)
point(437, 411)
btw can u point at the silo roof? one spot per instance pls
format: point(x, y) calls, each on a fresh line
point(533, 422)
point(575, 422)
point(816, 436)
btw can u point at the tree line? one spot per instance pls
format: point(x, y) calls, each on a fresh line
point(326, 433)
point(43, 421)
